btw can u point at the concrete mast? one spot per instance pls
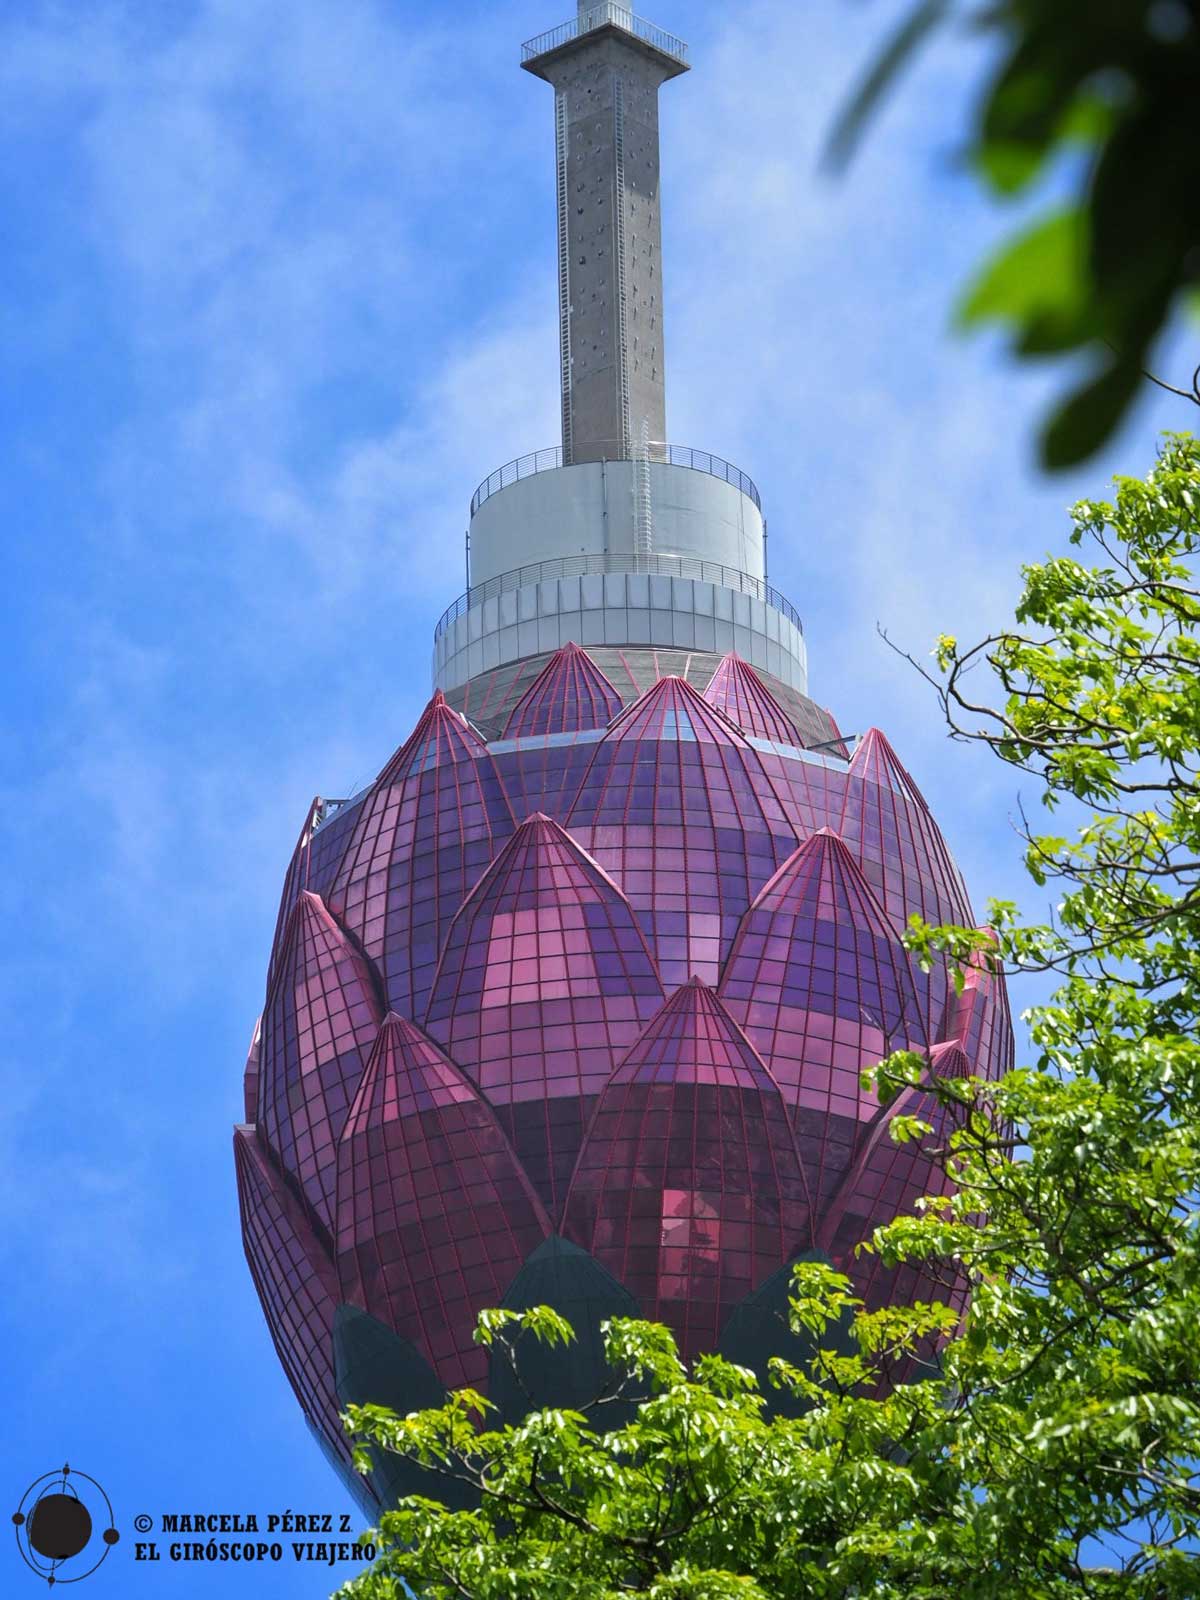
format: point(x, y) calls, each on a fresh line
point(618, 539)
point(606, 69)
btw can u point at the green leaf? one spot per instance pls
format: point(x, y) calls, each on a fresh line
point(1037, 284)
point(1141, 236)
point(1008, 165)
point(1089, 417)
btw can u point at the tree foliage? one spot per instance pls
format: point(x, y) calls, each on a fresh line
point(1052, 1448)
point(1118, 82)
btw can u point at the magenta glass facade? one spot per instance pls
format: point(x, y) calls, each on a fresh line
point(601, 984)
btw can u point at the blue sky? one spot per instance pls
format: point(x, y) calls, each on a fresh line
point(277, 293)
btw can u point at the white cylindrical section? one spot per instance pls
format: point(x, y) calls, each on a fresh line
point(592, 510)
point(619, 608)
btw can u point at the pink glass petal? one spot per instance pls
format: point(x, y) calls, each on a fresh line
point(889, 828)
point(568, 694)
point(296, 1284)
point(544, 983)
point(250, 1075)
point(674, 806)
point(978, 1019)
point(689, 1188)
point(739, 693)
point(295, 881)
point(320, 1021)
point(887, 1180)
point(435, 1216)
point(424, 834)
point(824, 989)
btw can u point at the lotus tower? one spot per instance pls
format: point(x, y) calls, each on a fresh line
point(570, 1006)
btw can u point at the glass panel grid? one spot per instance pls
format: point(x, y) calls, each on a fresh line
point(639, 1017)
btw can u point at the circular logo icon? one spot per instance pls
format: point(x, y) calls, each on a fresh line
point(55, 1525)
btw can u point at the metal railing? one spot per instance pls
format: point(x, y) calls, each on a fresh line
point(597, 16)
point(589, 566)
point(523, 467)
point(671, 455)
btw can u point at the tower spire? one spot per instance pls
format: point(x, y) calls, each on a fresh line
point(619, 538)
point(606, 67)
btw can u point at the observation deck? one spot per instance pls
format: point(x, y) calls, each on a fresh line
point(667, 550)
point(675, 455)
point(591, 19)
point(614, 538)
